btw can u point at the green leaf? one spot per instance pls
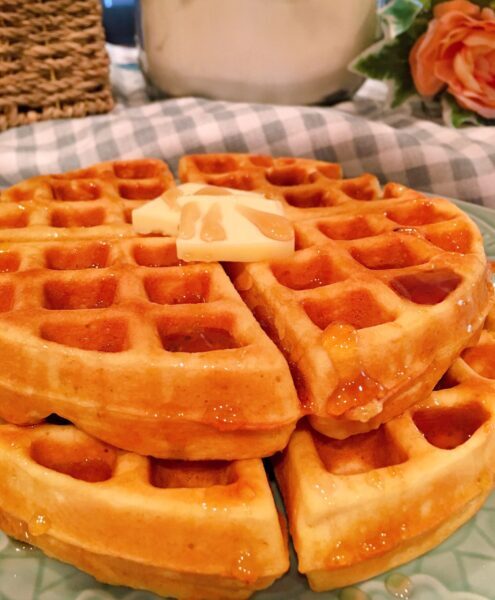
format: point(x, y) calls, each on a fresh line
point(389, 64)
point(389, 61)
point(457, 116)
point(399, 15)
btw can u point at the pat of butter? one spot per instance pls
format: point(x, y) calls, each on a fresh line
point(240, 229)
point(156, 217)
point(162, 215)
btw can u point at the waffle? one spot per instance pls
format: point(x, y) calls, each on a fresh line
point(94, 203)
point(376, 305)
point(143, 352)
point(187, 530)
point(361, 506)
point(306, 187)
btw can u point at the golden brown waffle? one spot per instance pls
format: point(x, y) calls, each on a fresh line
point(376, 306)
point(187, 530)
point(306, 187)
point(140, 351)
point(94, 203)
point(361, 506)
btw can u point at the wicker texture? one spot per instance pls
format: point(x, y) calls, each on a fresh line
point(53, 61)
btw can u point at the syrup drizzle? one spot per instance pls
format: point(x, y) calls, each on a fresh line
point(399, 586)
point(426, 287)
point(170, 198)
point(275, 227)
point(211, 228)
point(190, 214)
point(356, 388)
point(212, 190)
point(353, 593)
point(38, 525)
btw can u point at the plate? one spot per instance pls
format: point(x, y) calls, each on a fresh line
point(462, 568)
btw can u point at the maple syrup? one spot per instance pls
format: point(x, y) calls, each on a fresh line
point(6, 297)
point(272, 226)
point(261, 160)
point(217, 164)
point(170, 198)
point(306, 198)
point(399, 586)
point(237, 181)
point(417, 213)
point(75, 190)
point(357, 308)
point(163, 255)
point(244, 282)
point(90, 217)
point(352, 593)
point(211, 226)
point(396, 254)
point(426, 287)
point(286, 176)
point(141, 191)
point(190, 474)
point(449, 427)
point(70, 295)
point(82, 256)
point(357, 191)
point(9, 262)
point(200, 339)
point(456, 239)
point(17, 219)
point(187, 289)
point(88, 460)
point(105, 335)
point(38, 525)
point(189, 216)
point(212, 190)
point(348, 229)
point(355, 388)
point(481, 358)
point(306, 274)
point(133, 169)
point(359, 453)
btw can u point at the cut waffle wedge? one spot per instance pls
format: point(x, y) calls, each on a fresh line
point(204, 530)
point(93, 203)
point(360, 506)
point(378, 301)
point(141, 351)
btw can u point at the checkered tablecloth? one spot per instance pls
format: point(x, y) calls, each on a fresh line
point(362, 135)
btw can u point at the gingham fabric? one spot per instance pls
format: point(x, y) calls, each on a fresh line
point(362, 135)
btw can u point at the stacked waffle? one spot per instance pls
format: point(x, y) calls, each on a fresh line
point(140, 392)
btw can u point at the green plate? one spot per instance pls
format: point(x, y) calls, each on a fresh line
point(462, 568)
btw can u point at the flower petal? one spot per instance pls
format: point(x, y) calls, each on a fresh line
point(463, 68)
point(485, 111)
point(456, 6)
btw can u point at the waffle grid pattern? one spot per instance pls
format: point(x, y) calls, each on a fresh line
point(224, 539)
point(305, 186)
point(93, 203)
point(442, 447)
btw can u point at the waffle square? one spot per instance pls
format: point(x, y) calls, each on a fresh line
point(183, 529)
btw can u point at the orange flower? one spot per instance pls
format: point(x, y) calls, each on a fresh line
point(458, 52)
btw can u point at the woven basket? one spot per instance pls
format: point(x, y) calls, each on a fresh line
point(53, 61)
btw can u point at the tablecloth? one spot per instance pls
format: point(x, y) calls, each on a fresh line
point(363, 135)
